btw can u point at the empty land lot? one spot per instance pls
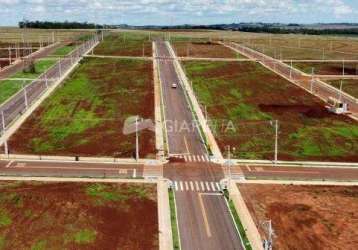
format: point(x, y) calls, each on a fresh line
point(125, 44)
point(305, 217)
point(348, 86)
point(11, 87)
point(85, 116)
point(202, 49)
point(328, 68)
point(40, 215)
point(301, 47)
point(251, 96)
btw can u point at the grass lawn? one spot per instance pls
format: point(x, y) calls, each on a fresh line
point(9, 88)
point(242, 99)
point(125, 44)
point(40, 215)
point(86, 115)
point(63, 51)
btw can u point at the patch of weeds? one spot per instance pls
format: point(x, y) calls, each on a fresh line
point(5, 219)
point(173, 219)
point(85, 236)
point(101, 192)
point(2, 242)
point(39, 245)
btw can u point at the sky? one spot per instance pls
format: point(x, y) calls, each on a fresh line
point(172, 12)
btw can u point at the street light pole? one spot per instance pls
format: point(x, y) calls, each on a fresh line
point(136, 139)
point(276, 141)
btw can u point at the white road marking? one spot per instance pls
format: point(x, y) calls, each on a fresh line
point(197, 186)
point(213, 186)
point(207, 186)
point(189, 158)
point(186, 145)
point(191, 186)
point(202, 186)
point(181, 186)
point(203, 157)
point(186, 186)
point(198, 158)
point(218, 186)
point(176, 185)
point(134, 173)
point(9, 164)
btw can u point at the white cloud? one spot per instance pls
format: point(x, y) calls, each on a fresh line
point(131, 11)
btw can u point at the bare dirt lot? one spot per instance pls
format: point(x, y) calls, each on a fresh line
point(86, 116)
point(203, 49)
point(243, 98)
point(328, 68)
point(125, 44)
point(39, 215)
point(349, 86)
point(306, 217)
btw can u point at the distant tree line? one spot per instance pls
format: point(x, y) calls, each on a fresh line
point(349, 31)
point(58, 25)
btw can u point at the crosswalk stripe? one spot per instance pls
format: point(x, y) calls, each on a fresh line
point(191, 186)
point(197, 186)
point(186, 158)
point(203, 157)
point(176, 185)
point(181, 185)
point(189, 156)
point(202, 186)
point(186, 186)
point(207, 185)
point(218, 186)
point(213, 186)
point(198, 157)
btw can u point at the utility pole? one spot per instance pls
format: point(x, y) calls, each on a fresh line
point(136, 139)
point(312, 80)
point(276, 141)
point(268, 241)
point(3, 132)
point(343, 67)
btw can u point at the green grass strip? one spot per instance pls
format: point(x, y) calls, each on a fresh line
point(173, 219)
point(237, 221)
point(8, 87)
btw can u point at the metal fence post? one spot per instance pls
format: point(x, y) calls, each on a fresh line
point(25, 96)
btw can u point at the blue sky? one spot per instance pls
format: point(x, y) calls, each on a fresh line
point(138, 12)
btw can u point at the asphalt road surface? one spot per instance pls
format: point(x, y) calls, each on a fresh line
point(203, 216)
point(183, 137)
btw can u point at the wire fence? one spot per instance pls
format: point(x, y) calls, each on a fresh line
point(310, 83)
point(22, 100)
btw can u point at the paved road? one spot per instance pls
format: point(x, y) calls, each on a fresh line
point(72, 169)
point(183, 137)
point(203, 217)
point(296, 173)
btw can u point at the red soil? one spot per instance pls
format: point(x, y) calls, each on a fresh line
point(54, 212)
point(305, 217)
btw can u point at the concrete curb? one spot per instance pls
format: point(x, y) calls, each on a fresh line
point(159, 135)
point(296, 163)
point(208, 134)
point(289, 182)
point(61, 179)
point(165, 228)
point(246, 220)
point(18, 122)
point(72, 159)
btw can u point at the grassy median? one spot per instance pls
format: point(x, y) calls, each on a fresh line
point(173, 219)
